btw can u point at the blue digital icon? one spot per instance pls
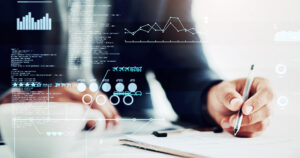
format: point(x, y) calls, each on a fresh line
point(115, 68)
point(132, 87)
point(27, 84)
point(32, 84)
point(128, 69)
point(120, 87)
point(15, 85)
point(131, 100)
point(138, 93)
point(39, 84)
point(106, 87)
point(29, 23)
point(48, 134)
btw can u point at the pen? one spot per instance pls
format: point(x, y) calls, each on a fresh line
point(246, 91)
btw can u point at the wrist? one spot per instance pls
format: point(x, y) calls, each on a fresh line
point(206, 108)
point(211, 97)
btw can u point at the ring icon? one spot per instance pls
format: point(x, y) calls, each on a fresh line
point(98, 101)
point(282, 101)
point(281, 69)
point(114, 96)
point(128, 103)
point(83, 99)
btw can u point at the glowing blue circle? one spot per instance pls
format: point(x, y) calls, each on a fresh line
point(120, 87)
point(106, 87)
point(132, 87)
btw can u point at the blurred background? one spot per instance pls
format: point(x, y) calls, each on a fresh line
point(238, 33)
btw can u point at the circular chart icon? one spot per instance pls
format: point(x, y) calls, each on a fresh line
point(130, 102)
point(132, 87)
point(282, 101)
point(84, 97)
point(106, 87)
point(281, 69)
point(81, 87)
point(101, 99)
point(120, 87)
point(111, 98)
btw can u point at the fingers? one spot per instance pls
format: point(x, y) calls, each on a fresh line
point(225, 100)
point(110, 113)
point(115, 113)
point(97, 100)
point(257, 127)
point(262, 114)
point(252, 125)
point(250, 130)
point(263, 96)
point(102, 100)
point(248, 134)
point(230, 97)
point(63, 99)
point(100, 103)
point(90, 125)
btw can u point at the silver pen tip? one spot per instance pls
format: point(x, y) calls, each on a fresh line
point(252, 67)
point(235, 132)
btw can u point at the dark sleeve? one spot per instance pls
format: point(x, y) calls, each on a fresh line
point(7, 31)
point(182, 69)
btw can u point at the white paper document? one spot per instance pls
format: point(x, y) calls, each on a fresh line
point(222, 145)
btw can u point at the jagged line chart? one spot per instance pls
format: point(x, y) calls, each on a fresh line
point(155, 27)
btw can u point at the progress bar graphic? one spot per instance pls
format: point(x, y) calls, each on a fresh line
point(29, 23)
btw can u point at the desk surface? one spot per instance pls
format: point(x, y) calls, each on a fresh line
point(109, 148)
point(107, 144)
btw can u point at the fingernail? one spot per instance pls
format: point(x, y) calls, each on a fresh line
point(248, 110)
point(235, 101)
point(225, 124)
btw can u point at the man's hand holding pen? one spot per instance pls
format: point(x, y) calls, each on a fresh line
point(225, 100)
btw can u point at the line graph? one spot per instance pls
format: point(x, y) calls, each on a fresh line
point(157, 28)
point(188, 35)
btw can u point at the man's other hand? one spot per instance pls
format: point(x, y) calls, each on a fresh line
point(225, 100)
point(67, 94)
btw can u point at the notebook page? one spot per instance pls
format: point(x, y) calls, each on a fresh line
point(223, 144)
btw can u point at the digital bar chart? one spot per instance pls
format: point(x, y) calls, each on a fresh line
point(29, 23)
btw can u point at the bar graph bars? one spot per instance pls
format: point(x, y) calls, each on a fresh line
point(28, 23)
